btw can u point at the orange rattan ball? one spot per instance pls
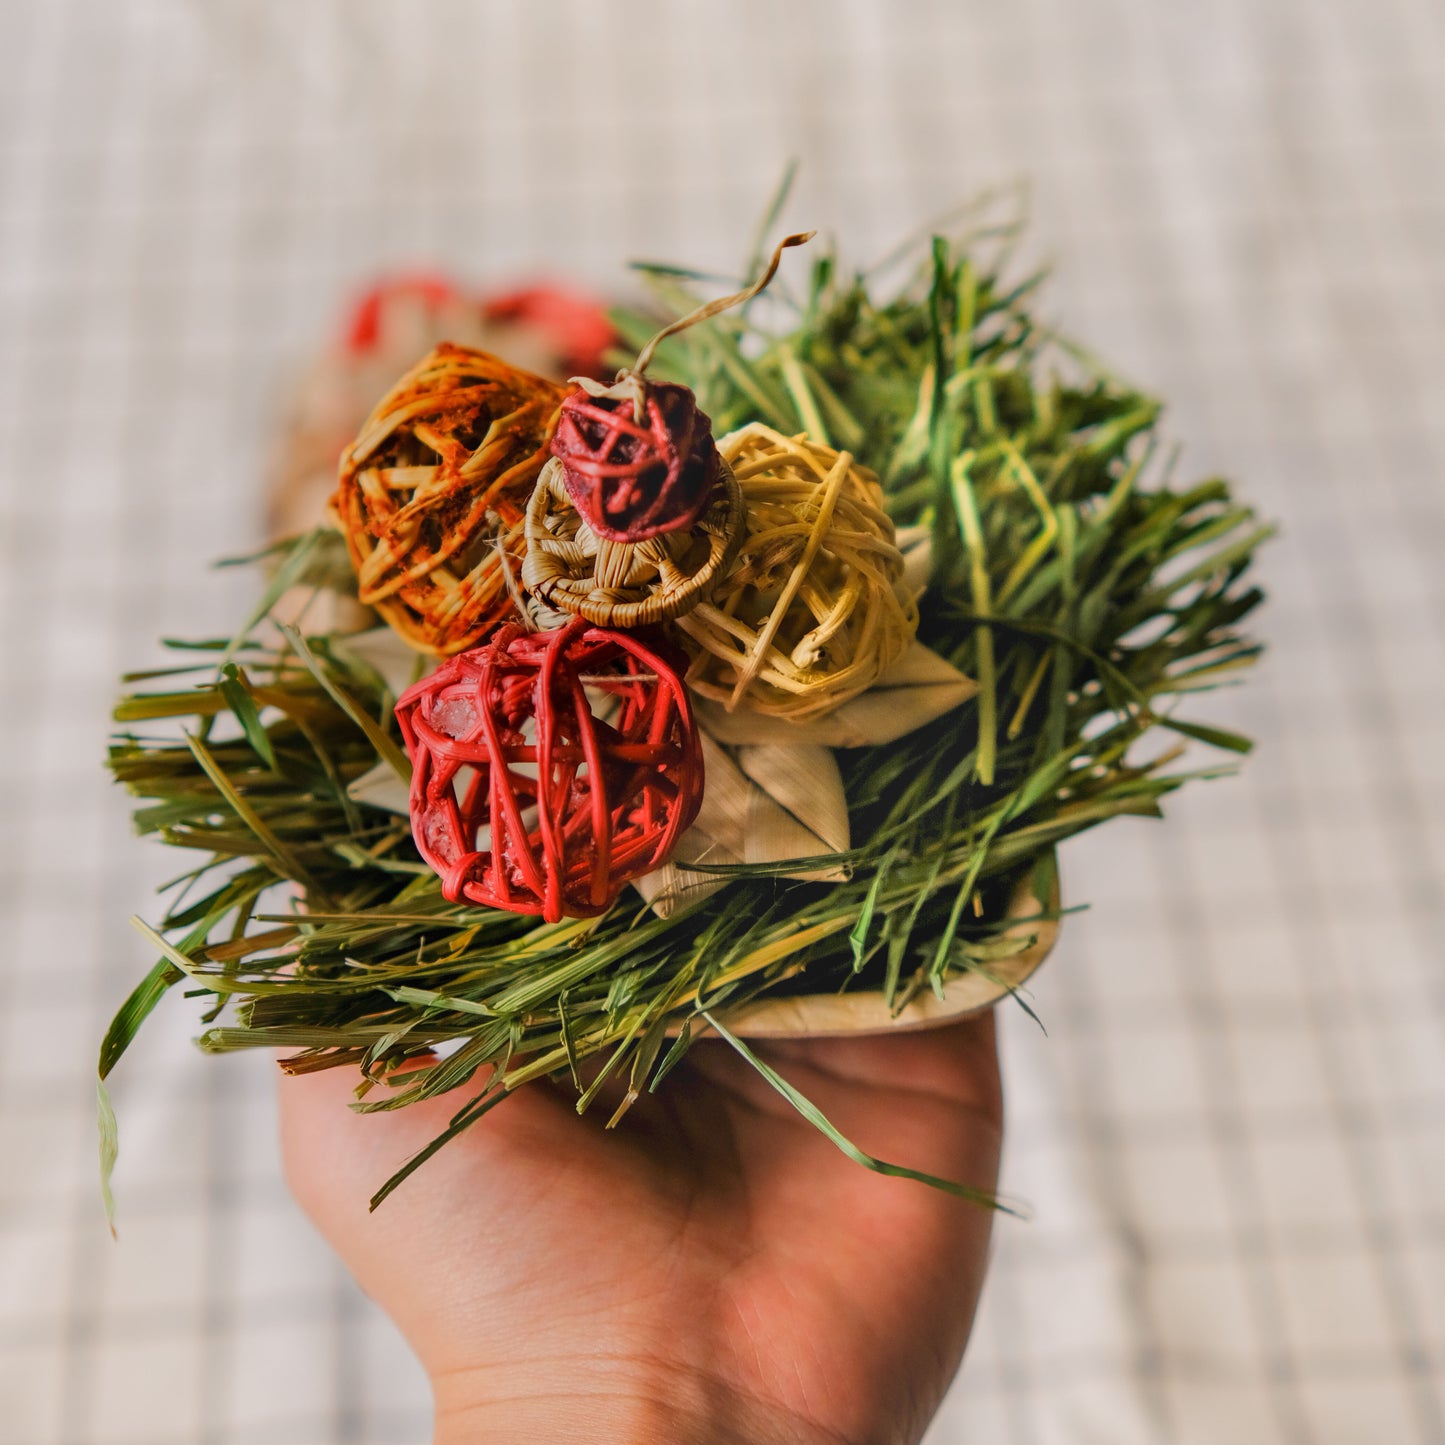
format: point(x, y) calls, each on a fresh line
point(549, 769)
point(433, 494)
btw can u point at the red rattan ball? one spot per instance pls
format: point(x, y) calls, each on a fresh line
point(551, 768)
point(633, 479)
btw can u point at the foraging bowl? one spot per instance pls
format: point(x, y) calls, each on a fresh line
point(837, 1015)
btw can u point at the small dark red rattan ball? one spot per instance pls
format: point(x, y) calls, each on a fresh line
point(633, 479)
point(530, 795)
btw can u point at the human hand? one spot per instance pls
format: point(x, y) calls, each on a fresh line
point(712, 1270)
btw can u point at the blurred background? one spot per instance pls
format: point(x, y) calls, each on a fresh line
point(1233, 1136)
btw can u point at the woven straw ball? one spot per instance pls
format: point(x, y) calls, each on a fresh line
point(813, 608)
point(549, 769)
point(434, 491)
point(571, 570)
point(638, 458)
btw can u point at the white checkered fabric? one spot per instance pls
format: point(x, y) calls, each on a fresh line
point(1234, 1134)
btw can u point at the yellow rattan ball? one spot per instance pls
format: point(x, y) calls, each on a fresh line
point(433, 494)
point(813, 608)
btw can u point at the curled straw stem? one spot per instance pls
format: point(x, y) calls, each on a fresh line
point(710, 309)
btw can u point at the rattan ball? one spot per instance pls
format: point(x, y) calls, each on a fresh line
point(571, 570)
point(638, 458)
point(813, 608)
point(549, 769)
point(433, 493)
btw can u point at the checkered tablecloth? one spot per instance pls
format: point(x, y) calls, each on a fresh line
point(1233, 1135)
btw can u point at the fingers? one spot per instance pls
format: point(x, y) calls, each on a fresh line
point(325, 1153)
point(421, 1252)
point(926, 1101)
point(957, 1062)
